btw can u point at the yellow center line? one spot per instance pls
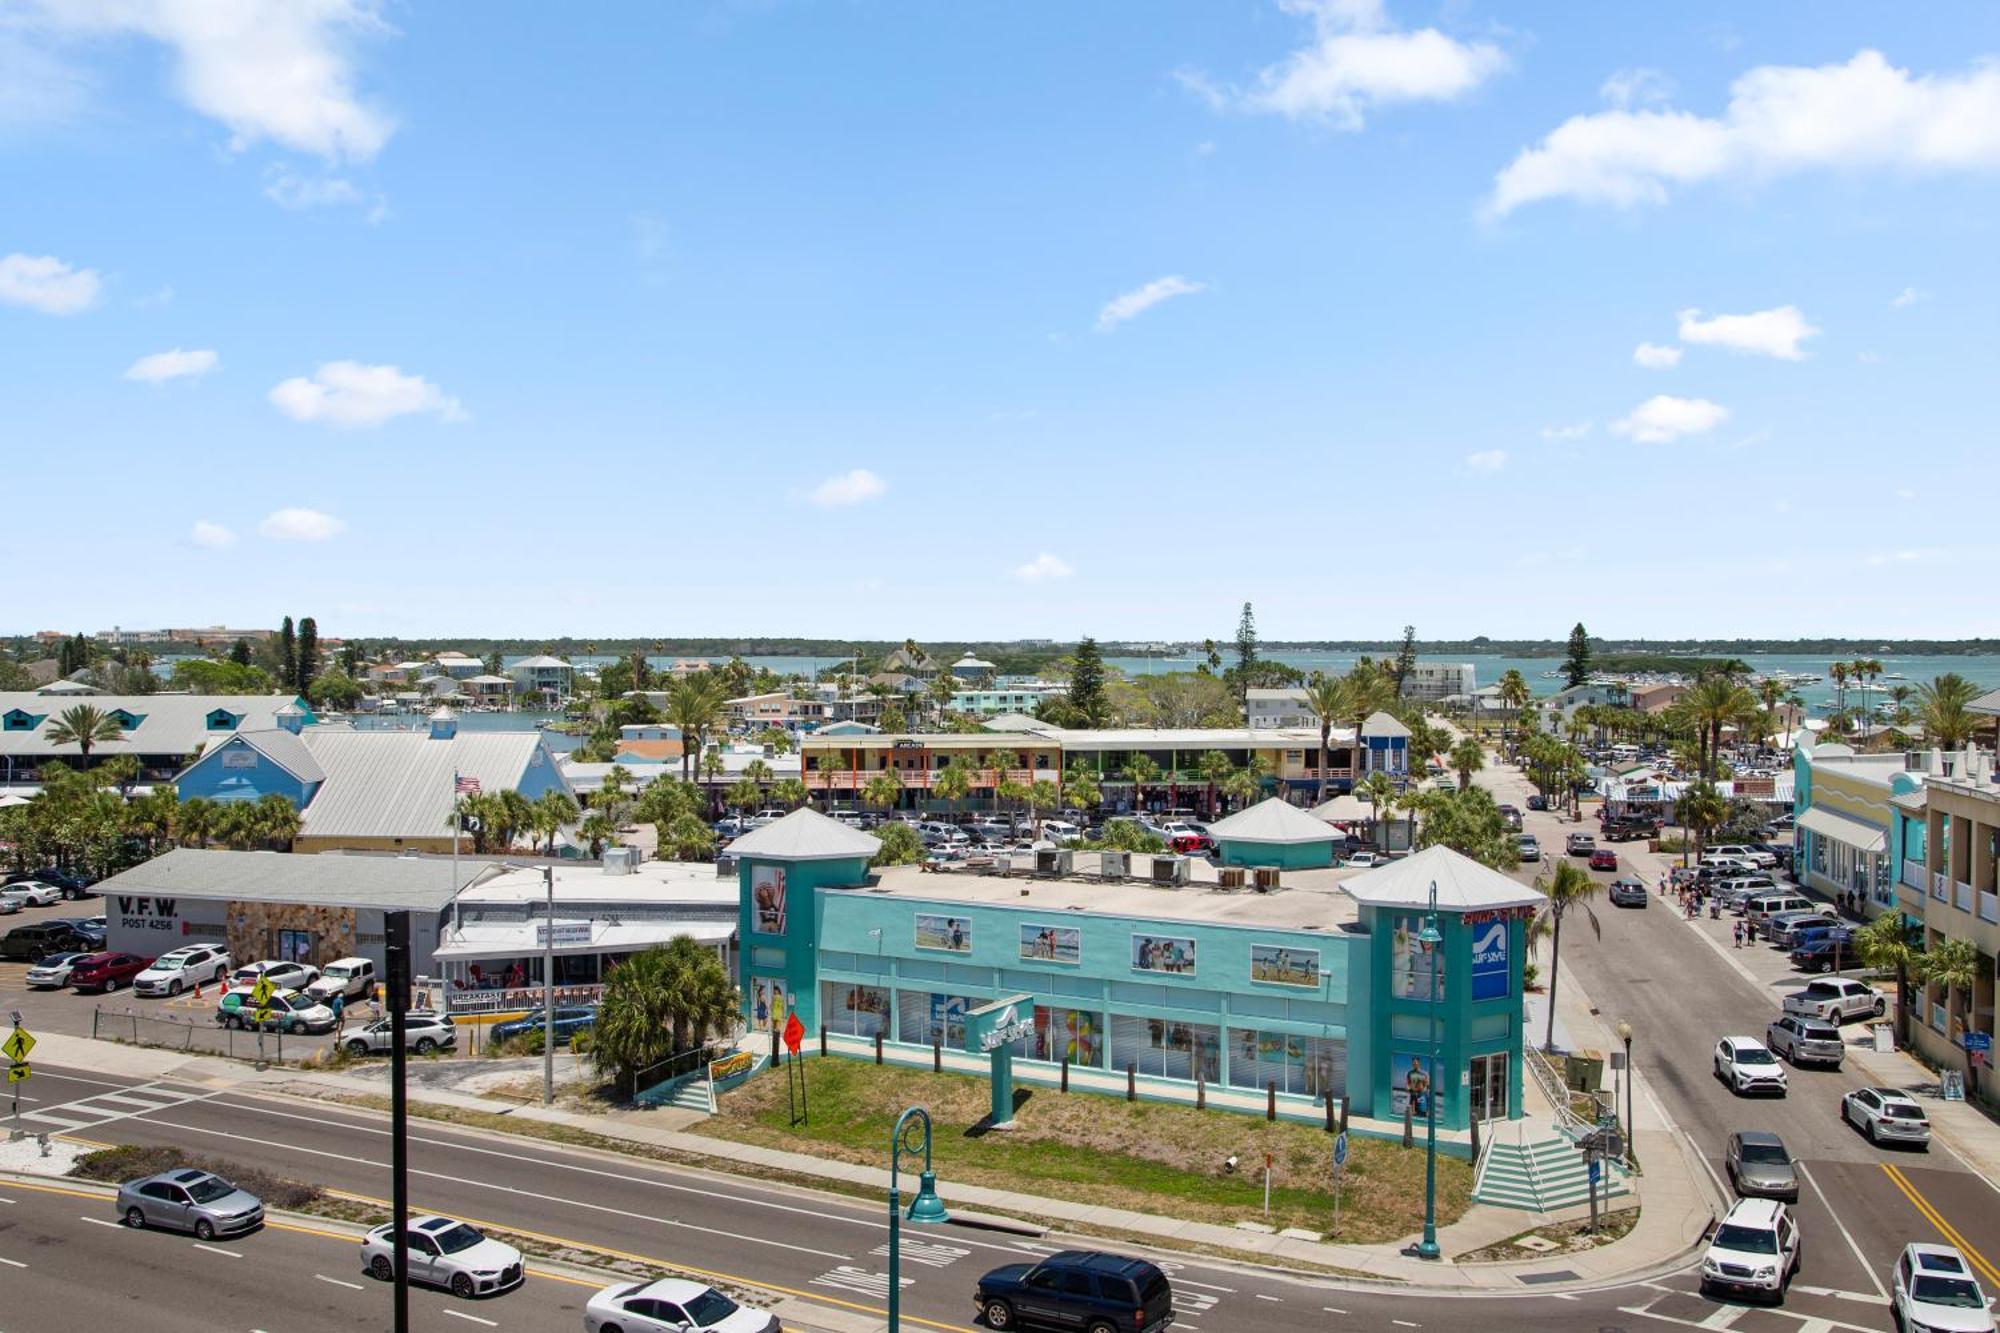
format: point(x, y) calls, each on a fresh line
point(713, 1275)
point(1936, 1219)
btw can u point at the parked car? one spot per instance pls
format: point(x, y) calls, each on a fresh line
point(443, 1252)
point(1761, 907)
point(1779, 929)
point(190, 1200)
point(71, 884)
point(1511, 817)
point(1630, 828)
point(1805, 1040)
point(1837, 999)
point(32, 893)
point(1759, 1165)
point(1627, 893)
point(291, 976)
point(1826, 952)
point(92, 928)
point(1192, 842)
point(424, 1031)
point(1538, 802)
point(671, 1305)
point(291, 1011)
point(1933, 1288)
point(569, 1022)
point(52, 973)
point(1747, 1066)
point(350, 978)
point(1754, 1251)
point(180, 969)
point(32, 943)
point(1061, 831)
point(1077, 1289)
point(1886, 1115)
point(1364, 860)
point(1733, 890)
point(990, 828)
point(1530, 849)
point(1603, 858)
point(1755, 855)
point(106, 972)
point(9, 906)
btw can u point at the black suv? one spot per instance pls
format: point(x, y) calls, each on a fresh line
point(1080, 1289)
point(31, 944)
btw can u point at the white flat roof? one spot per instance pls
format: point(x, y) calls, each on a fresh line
point(523, 938)
point(691, 882)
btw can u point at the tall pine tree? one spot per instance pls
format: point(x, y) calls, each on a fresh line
point(1406, 656)
point(1576, 666)
point(308, 654)
point(288, 655)
point(1086, 684)
point(239, 652)
point(1246, 639)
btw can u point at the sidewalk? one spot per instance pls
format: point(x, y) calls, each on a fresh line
point(1962, 1127)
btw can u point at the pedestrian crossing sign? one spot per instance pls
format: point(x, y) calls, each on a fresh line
point(262, 992)
point(19, 1042)
point(18, 1072)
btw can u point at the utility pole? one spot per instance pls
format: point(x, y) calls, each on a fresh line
point(396, 928)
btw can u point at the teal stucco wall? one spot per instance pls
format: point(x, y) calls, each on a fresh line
point(786, 958)
point(1286, 856)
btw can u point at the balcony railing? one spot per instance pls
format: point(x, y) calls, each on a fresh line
point(819, 779)
point(1989, 907)
point(1961, 896)
point(1914, 874)
point(1940, 886)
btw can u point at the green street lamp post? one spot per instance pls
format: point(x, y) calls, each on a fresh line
point(910, 1138)
point(1432, 940)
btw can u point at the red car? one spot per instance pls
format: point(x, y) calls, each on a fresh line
point(1604, 859)
point(106, 971)
point(1192, 844)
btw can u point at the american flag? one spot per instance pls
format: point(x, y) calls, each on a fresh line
point(464, 785)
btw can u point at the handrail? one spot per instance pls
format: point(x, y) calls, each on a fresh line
point(1567, 1121)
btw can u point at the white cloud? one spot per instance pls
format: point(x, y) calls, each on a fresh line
point(1909, 296)
point(1356, 60)
point(849, 488)
point(1574, 431)
point(1907, 556)
point(177, 364)
point(1487, 460)
point(1775, 332)
point(276, 70)
point(1043, 566)
point(1781, 119)
point(1655, 357)
point(347, 393)
point(1637, 87)
point(1141, 299)
point(211, 535)
point(300, 525)
point(1663, 418)
point(288, 189)
point(1906, 493)
point(47, 284)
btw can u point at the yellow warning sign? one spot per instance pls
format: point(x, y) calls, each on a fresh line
point(18, 1073)
point(19, 1042)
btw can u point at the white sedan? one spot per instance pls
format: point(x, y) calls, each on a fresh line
point(33, 893)
point(671, 1305)
point(1365, 861)
point(444, 1252)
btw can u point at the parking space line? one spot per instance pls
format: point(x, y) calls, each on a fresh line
point(12, 1263)
point(471, 1318)
point(1936, 1219)
point(227, 1254)
point(351, 1286)
point(100, 1222)
point(1846, 1235)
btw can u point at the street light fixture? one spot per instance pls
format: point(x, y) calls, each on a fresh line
point(1432, 941)
point(911, 1137)
point(1624, 1031)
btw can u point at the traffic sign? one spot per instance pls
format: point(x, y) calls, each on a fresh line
point(262, 1014)
point(18, 1072)
point(263, 991)
point(1340, 1150)
point(1977, 1041)
point(19, 1042)
point(1596, 1171)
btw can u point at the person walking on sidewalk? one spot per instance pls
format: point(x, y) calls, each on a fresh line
point(339, 1013)
point(1739, 934)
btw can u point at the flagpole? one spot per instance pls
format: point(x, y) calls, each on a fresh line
point(457, 835)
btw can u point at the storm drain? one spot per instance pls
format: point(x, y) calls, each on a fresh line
point(1560, 1275)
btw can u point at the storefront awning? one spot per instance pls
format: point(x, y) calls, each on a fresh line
point(1860, 836)
point(523, 939)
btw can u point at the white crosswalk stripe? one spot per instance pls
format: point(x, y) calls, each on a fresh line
point(105, 1107)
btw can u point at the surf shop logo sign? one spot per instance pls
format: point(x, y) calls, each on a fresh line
point(1008, 1027)
point(1489, 961)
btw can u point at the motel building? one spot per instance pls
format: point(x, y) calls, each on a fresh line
point(1316, 996)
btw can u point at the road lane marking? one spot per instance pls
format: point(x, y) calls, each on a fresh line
point(1404, 1323)
point(12, 1263)
point(1936, 1219)
point(6, 1201)
point(212, 1249)
point(1180, 1281)
point(1723, 1318)
point(100, 1222)
point(1845, 1234)
point(1330, 1310)
point(1262, 1297)
point(351, 1286)
point(471, 1318)
point(1706, 1165)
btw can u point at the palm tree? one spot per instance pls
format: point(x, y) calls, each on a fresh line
point(883, 791)
point(121, 771)
point(694, 703)
point(1214, 766)
point(777, 738)
point(1380, 794)
point(1567, 888)
point(1079, 786)
point(596, 830)
point(1883, 945)
point(1327, 697)
point(1139, 770)
point(656, 1005)
point(1837, 673)
point(1242, 786)
point(713, 766)
point(1003, 763)
point(552, 811)
point(154, 816)
point(199, 819)
point(789, 791)
point(943, 687)
point(276, 820)
point(954, 782)
point(1514, 694)
point(1700, 809)
point(1942, 706)
point(1467, 757)
point(686, 838)
point(84, 726)
point(1953, 966)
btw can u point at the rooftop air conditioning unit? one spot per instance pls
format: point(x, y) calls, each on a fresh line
point(1170, 870)
point(1267, 878)
point(1229, 877)
point(1054, 861)
point(1114, 865)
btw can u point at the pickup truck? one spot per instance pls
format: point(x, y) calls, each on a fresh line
point(1837, 1000)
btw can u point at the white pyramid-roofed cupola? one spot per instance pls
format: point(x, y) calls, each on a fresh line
point(806, 835)
point(1463, 884)
point(444, 724)
point(1272, 820)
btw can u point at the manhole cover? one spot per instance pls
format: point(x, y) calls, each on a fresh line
point(1560, 1275)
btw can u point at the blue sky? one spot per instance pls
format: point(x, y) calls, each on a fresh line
point(956, 320)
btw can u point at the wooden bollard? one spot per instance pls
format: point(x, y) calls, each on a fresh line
point(1131, 1081)
point(878, 1048)
point(1270, 1101)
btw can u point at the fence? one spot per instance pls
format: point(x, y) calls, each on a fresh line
point(200, 1036)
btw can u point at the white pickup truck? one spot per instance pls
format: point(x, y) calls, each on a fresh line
point(1837, 1000)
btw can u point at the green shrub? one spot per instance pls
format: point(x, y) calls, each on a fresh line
point(130, 1161)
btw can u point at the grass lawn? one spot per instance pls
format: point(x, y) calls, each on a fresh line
point(1101, 1150)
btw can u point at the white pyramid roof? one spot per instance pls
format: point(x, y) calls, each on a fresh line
point(1272, 820)
point(1463, 884)
point(806, 835)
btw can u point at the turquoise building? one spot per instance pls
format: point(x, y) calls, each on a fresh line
point(1314, 991)
point(1274, 832)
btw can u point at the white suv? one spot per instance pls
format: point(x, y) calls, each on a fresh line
point(1756, 856)
point(1837, 1000)
point(1747, 1065)
point(1886, 1115)
point(182, 969)
point(1935, 1290)
point(1754, 1252)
